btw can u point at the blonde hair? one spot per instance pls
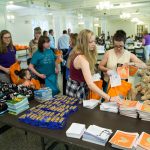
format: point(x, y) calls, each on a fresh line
point(145, 32)
point(82, 48)
point(37, 30)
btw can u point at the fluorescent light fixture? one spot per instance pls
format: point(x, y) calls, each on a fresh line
point(140, 22)
point(135, 20)
point(125, 5)
point(96, 24)
point(81, 23)
point(12, 7)
point(10, 2)
point(50, 14)
point(125, 15)
point(104, 5)
point(10, 17)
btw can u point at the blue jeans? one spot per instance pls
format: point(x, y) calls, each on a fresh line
point(147, 52)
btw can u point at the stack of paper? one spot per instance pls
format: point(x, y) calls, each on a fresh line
point(97, 135)
point(144, 112)
point(43, 94)
point(124, 140)
point(96, 77)
point(143, 142)
point(109, 106)
point(90, 103)
point(18, 105)
point(76, 130)
point(129, 108)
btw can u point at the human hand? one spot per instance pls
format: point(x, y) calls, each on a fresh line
point(42, 76)
point(126, 64)
point(60, 58)
point(56, 70)
point(110, 72)
point(129, 64)
point(116, 99)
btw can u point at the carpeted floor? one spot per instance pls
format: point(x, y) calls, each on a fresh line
point(15, 139)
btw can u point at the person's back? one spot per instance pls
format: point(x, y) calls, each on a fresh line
point(147, 39)
point(52, 39)
point(146, 43)
point(63, 41)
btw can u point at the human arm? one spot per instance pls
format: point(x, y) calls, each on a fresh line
point(102, 65)
point(6, 70)
point(56, 68)
point(32, 68)
point(81, 63)
point(137, 62)
point(143, 42)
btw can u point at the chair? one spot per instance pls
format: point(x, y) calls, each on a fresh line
point(139, 52)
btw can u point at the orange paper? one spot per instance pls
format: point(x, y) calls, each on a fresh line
point(123, 72)
point(21, 47)
point(129, 103)
point(14, 78)
point(145, 107)
point(132, 70)
point(58, 53)
point(93, 95)
point(121, 90)
point(144, 141)
point(124, 139)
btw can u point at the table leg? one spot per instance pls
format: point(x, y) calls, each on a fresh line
point(42, 143)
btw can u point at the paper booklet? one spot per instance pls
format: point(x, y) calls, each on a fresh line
point(124, 140)
point(143, 142)
point(144, 112)
point(90, 103)
point(115, 80)
point(76, 130)
point(123, 72)
point(97, 135)
point(109, 106)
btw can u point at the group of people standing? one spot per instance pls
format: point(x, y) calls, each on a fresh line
point(79, 59)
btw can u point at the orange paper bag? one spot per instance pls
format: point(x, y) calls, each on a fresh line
point(93, 95)
point(14, 78)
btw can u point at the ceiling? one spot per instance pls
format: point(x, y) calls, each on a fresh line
point(138, 8)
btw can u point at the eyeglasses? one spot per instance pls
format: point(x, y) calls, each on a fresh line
point(118, 46)
point(7, 37)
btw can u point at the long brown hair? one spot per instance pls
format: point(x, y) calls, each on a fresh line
point(73, 38)
point(42, 40)
point(82, 48)
point(3, 47)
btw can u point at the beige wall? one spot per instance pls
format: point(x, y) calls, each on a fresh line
point(127, 26)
